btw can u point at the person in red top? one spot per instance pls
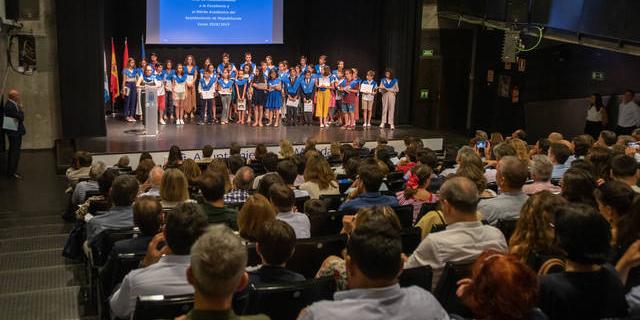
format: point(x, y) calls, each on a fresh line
point(409, 160)
point(349, 100)
point(416, 193)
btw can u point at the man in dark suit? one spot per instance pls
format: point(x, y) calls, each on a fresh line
point(13, 109)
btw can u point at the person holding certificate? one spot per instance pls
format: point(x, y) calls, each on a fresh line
point(145, 83)
point(170, 74)
point(179, 91)
point(259, 88)
point(207, 90)
point(224, 90)
point(241, 86)
point(349, 100)
point(323, 96)
point(368, 90)
point(129, 79)
point(307, 86)
point(340, 83)
point(160, 74)
point(293, 97)
point(389, 88)
point(274, 99)
point(13, 126)
point(190, 94)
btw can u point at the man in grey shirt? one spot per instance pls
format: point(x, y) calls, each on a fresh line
point(512, 174)
point(123, 191)
point(373, 263)
point(283, 199)
point(166, 268)
point(80, 192)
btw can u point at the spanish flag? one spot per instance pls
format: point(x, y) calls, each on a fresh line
point(115, 85)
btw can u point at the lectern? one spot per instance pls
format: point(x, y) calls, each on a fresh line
point(151, 111)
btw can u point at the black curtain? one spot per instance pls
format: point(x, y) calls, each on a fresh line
point(80, 29)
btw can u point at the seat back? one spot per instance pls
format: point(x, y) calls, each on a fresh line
point(310, 253)
point(325, 224)
point(411, 239)
point(396, 175)
point(284, 301)
point(258, 168)
point(102, 244)
point(162, 307)
point(332, 201)
point(420, 276)
point(426, 208)
point(445, 290)
point(405, 215)
point(507, 227)
point(300, 203)
point(112, 275)
point(253, 259)
point(395, 185)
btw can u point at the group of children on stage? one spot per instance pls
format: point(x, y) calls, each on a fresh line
point(252, 92)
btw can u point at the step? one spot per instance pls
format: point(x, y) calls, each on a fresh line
point(56, 303)
point(17, 281)
point(33, 243)
point(39, 230)
point(33, 259)
point(29, 221)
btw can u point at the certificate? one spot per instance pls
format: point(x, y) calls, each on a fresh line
point(261, 86)
point(189, 78)
point(292, 102)
point(179, 88)
point(308, 106)
point(324, 82)
point(366, 88)
point(207, 94)
point(242, 105)
point(224, 91)
point(126, 91)
point(367, 97)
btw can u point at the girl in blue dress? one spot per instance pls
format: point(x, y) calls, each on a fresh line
point(274, 99)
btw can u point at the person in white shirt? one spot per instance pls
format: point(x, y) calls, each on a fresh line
point(152, 186)
point(596, 116)
point(283, 199)
point(465, 237)
point(628, 114)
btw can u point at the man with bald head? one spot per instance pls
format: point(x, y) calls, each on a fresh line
point(152, 186)
point(464, 238)
point(512, 174)
point(13, 112)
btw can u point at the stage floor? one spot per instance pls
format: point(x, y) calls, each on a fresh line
point(192, 136)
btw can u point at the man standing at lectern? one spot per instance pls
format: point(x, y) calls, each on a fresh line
point(14, 112)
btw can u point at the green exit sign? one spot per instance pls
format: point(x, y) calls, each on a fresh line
point(424, 94)
point(427, 52)
point(599, 76)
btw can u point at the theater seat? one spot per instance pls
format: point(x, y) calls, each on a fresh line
point(445, 290)
point(310, 253)
point(326, 224)
point(420, 276)
point(507, 227)
point(396, 175)
point(332, 201)
point(284, 301)
point(101, 245)
point(426, 208)
point(162, 307)
point(411, 239)
point(405, 215)
point(300, 203)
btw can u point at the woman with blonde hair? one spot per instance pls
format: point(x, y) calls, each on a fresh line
point(255, 212)
point(174, 188)
point(319, 178)
point(522, 149)
point(286, 149)
point(218, 165)
point(192, 171)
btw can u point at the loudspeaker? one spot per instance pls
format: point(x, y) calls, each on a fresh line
point(510, 46)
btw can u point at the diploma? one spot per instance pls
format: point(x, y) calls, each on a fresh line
point(261, 86)
point(242, 105)
point(366, 88)
point(224, 91)
point(207, 94)
point(292, 102)
point(127, 91)
point(308, 106)
point(324, 82)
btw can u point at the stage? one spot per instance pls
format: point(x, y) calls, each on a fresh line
point(192, 136)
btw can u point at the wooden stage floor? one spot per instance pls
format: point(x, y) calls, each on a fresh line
point(192, 136)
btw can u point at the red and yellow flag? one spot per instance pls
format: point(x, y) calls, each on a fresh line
point(115, 85)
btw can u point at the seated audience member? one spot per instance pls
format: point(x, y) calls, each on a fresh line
point(578, 186)
point(104, 185)
point(123, 164)
point(615, 202)
point(533, 240)
point(500, 151)
point(465, 154)
point(218, 165)
point(81, 189)
point(384, 155)
point(581, 146)
point(80, 167)
point(335, 151)
point(301, 163)
point(216, 272)
point(124, 190)
point(465, 237)
point(522, 149)
point(207, 152)
point(270, 163)
point(242, 184)
point(501, 287)
point(212, 188)
point(541, 168)
point(234, 163)
point(555, 137)
point(266, 183)
point(358, 145)
point(409, 160)
point(319, 179)
point(519, 134)
point(286, 149)
point(473, 171)
point(315, 207)
point(165, 271)
point(511, 176)
point(174, 188)
point(235, 149)
point(283, 201)
point(174, 160)
point(586, 289)
point(541, 147)
point(152, 186)
point(373, 263)
point(559, 154)
point(144, 156)
point(142, 170)
point(382, 144)
point(258, 154)
point(624, 168)
point(368, 184)
point(191, 170)
point(416, 193)
point(607, 138)
point(310, 145)
point(288, 171)
point(253, 215)
point(275, 247)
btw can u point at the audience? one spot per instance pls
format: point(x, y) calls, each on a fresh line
point(91, 185)
point(578, 186)
point(541, 168)
point(416, 193)
point(559, 154)
point(555, 137)
point(254, 214)
point(358, 145)
point(283, 201)
point(80, 167)
point(270, 163)
point(615, 203)
point(511, 176)
point(218, 165)
point(207, 152)
point(216, 272)
point(165, 266)
point(174, 160)
point(143, 169)
point(123, 164)
point(465, 237)
point(288, 171)
point(319, 179)
point(105, 180)
point(266, 183)
point(174, 188)
point(153, 184)
point(606, 138)
point(367, 194)
point(124, 190)
point(242, 183)
point(373, 263)
point(286, 149)
point(625, 168)
point(235, 162)
point(587, 289)
point(212, 188)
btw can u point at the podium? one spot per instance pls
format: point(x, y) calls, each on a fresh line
point(151, 111)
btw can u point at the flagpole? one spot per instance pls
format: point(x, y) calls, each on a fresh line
point(113, 109)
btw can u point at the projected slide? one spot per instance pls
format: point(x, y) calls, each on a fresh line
point(214, 21)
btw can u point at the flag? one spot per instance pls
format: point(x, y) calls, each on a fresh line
point(106, 82)
point(115, 85)
point(125, 57)
point(142, 53)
